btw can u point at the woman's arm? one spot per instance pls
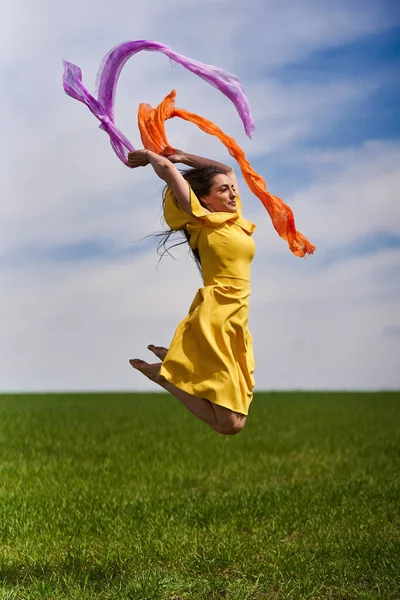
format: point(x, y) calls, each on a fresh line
point(198, 162)
point(167, 172)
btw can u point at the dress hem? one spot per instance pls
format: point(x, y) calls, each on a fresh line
point(189, 389)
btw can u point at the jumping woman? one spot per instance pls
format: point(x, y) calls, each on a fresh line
point(209, 365)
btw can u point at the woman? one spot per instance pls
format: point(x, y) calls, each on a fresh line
point(209, 365)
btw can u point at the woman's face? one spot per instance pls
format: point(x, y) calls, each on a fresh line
point(222, 196)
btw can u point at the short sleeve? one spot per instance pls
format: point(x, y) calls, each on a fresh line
point(176, 217)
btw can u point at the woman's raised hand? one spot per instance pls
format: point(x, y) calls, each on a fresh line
point(177, 157)
point(137, 159)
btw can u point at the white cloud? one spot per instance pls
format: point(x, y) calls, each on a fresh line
point(354, 196)
point(74, 325)
point(328, 328)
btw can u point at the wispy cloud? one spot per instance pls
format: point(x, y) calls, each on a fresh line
point(80, 298)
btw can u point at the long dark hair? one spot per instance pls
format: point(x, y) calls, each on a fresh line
point(200, 180)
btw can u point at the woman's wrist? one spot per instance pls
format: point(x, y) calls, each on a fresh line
point(191, 160)
point(177, 157)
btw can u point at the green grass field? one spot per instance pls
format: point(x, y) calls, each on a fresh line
point(128, 496)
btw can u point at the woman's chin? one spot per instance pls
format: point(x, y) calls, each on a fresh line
point(231, 208)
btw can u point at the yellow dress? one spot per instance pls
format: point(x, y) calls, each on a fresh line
point(211, 354)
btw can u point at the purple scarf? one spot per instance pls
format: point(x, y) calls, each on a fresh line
point(107, 79)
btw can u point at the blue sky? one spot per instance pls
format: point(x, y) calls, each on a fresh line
point(377, 57)
point(80, 298)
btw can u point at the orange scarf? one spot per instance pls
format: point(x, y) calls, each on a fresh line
point(152, 132)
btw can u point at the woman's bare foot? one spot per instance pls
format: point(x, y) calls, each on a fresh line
point(159, 351)
point(151, 371)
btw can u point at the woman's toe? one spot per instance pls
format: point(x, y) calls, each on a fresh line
point(136, 362)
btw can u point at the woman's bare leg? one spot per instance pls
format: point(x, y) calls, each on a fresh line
point(200, 407)
point(221, 419)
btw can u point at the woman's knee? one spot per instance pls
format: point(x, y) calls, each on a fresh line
point(233, 424)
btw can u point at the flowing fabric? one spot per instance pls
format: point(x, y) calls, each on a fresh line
point(227, 83)
point(73, 86)
point(152, 132)
point(107, 79)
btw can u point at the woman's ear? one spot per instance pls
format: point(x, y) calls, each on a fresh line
point(204, 201)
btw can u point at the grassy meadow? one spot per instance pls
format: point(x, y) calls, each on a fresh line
point(128, 496)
